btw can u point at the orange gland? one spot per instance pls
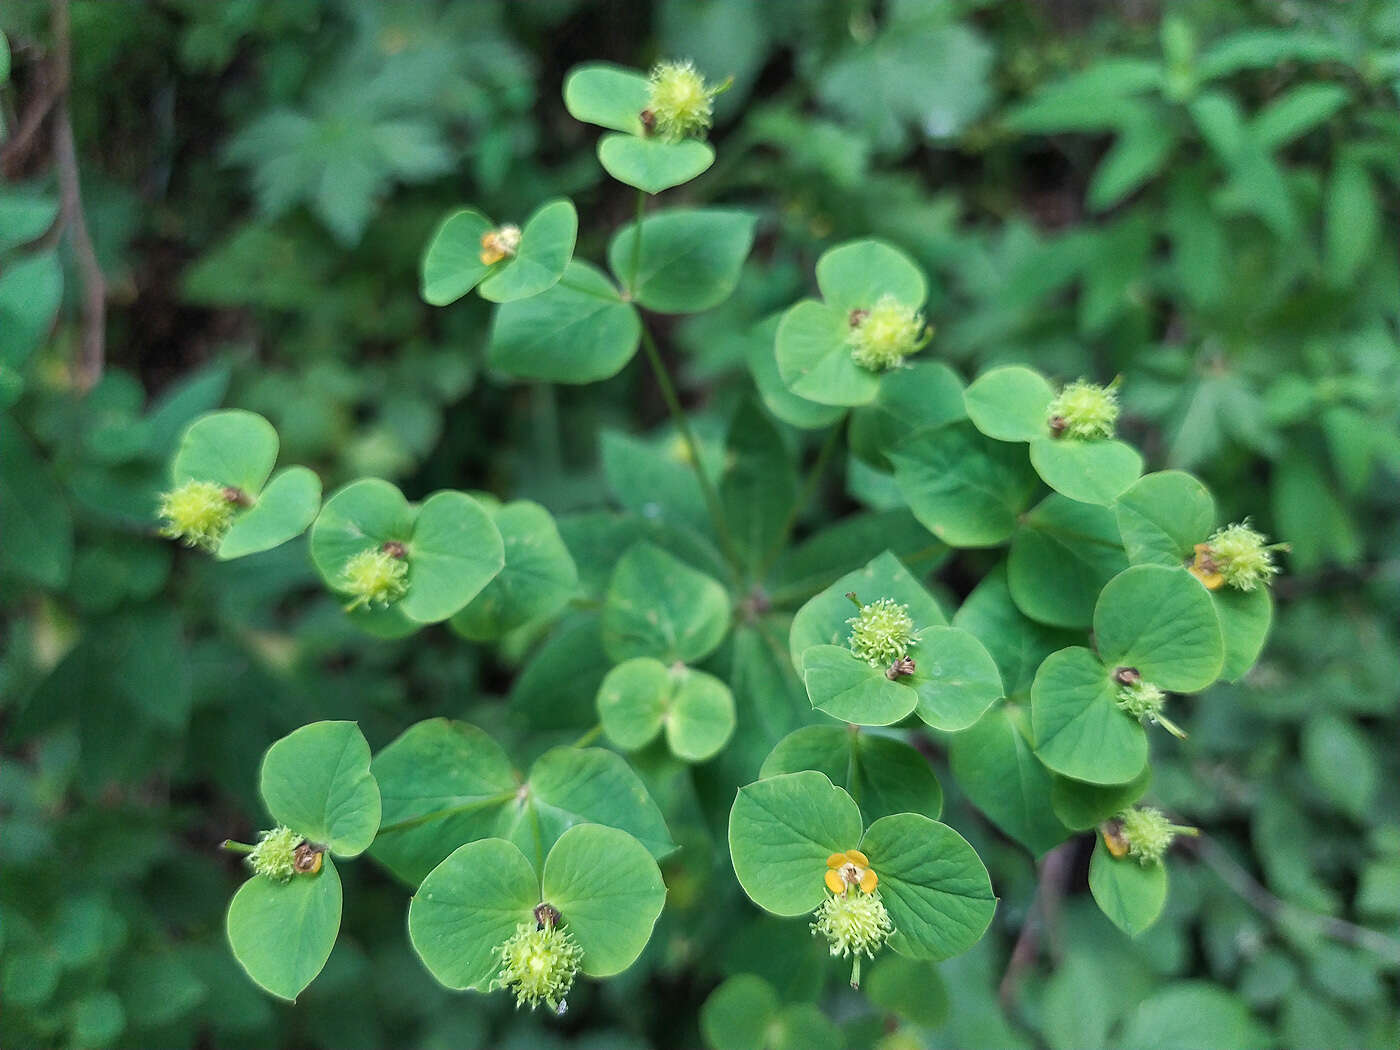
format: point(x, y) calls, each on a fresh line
point(851, 868)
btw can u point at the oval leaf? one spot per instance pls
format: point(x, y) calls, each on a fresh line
point(1129, 893)
point(546, 246)
point(689, 259)
point(1160, 621)
point(607, 95)
point(282, 934)
point(362, 515)
point(1009, 403)
point(849, 688)
point(955, 678)
point(233, 448)
point(537, 581)
point(317, 781)
point(854, 276)
point(659, 606)
point(1163, 516)
point(1089, 471)
point(632, 702)
point(1245, 617)
point(882, 774)
point(652, 165)
point(1062, 555)
point(700, 719)
point(570, 785)
point(454, 552)
point(814, 358)
point(1079, 730)
point(452, 264)
point(283, 511)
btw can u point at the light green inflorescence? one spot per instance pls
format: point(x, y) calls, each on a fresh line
point(1084, 410)
point(882, 632)
point(374, 577)
point(198, 512)
point(883, 336)
point(538, 964)
point(1148, 833)
point(1144, 701)
point(274, 856)
point(679, 101)
point(854, 925)
point(1243, 556)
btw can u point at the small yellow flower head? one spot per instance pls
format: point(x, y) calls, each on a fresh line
point(882, 632)
point(1147, 832)
point(852, 868)
point(883, 336)
point(854, 925)
point(680, 104)
point(375, 577)
point(1241, 556)
point(500, 243)
point(1084, 410)
point(198, 512)
point(538, 964)
point(275, 855)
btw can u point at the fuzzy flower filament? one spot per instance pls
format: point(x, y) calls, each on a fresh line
point(374, 577)
point(881, 337)
point(274, 856)
point(882, 632)
point(854, 925)
point(1148, 833)
point(1144, 701)
point(198, 513)
point(538, 964)
point(1084, 410)
point(500, 243)
point(680, 104)
point(1237, 555)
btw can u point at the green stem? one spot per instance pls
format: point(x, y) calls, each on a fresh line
point(637, 244)
point(236, 847)
point(809, 489)
point(450, 811)
point(588, 737)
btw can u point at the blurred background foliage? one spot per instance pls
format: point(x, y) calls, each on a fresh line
point(1202, 196)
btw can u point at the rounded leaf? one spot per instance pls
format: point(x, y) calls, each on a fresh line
point(659, 606)
point(884, 775)
point(1089, 471)
point(607, 95)
point(609, 893)
point(1061, 556)
point(955, 678)
point(317, 782)
point(467, 907)
point(571, 785)
point(632, 702)
point(653, 165)
point(1162, 622)
point(452, 264)
point(1009, 403)
point(782, 830)
point(689, 258)
point(454, 552)
point(814, 358)
point(363, 514)
point(1083, 806)
point(921, 394)
point(849, 688)
point(233, 448)
point(1079, 730)
point(700, 719)
point(855, 275)
point(546, 247)
point(283, 511)
point(1162, 517)
point(1186, 1015)
point(744, 1013)
point(1245, 617)
point(791, 408)
point(1130, 894)
point(934, 885)
point(282, 933)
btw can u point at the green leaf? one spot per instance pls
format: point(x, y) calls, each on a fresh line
point(1162, 517)
point(640, 697)
point(1009, 403)
point(1079, 730)
point(759, 488)
point(689, 260)
point(98, 1017)
point(1353, 221)
point(814, 358)
point(1083, 806)
point(467, 907)
point(1296, 112)
point(536, 583)
point(23, 216)
point(453, 781)
point(855, 275)
point(546, 248)
point(609, 893)
point(1017, 643)
point(966, 489)
point(651, 479)
point(781, 831)
point(1186, 1015)
point(579, 331)
point(884, 775)
point(658, 606)
point(791, 408)
point(1342, 762)
point(282, 934)
point(1245, 617)
point(744, 1013)
point(1088, 471)
point(233, 448)
point(283, 511)
point(1061, 556)
point(921, 394)
point(607, 95)
point(31, 290)
point(364, 514)
point(849, 688)
point(910, 988)
point(1160, 621)
point(652, 165)
point(317, 781)
point(701, 717)
point(35, 521)
point(994, 765)
point(452, 264)
point(1140, 152)
point(1129, 893)
point(934, 885)
point(955, 678)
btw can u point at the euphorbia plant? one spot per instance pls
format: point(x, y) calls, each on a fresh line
point(1097, 598)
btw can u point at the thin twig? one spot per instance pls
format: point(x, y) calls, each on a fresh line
point(1043, 914)
point(41, 101)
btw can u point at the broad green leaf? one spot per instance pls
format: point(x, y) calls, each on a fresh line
point(883, 774)
point(1160, 621)
point(609, 894)
point(452, 264)
point(1142, 149)
point(607, 95)
point(1186, 1015)
point(849, 688)
point(1088, 471)
point(854, 276)
point(1343, 762)
point(233, 448)
point(632, 702)
point(689, 259)
point(1129, 893)
point(31, 290)
point(455, 551)
point(782, 830)
point(546, 248)
point(654, 481)
point(909, 988)
point(1079, 730)
point(365, 514)
point(993, 763)
point(966, 489)
point(1061, 556)
point(23, 216)
point(1245, 617)
point(744, 1013)
point(317, 781)
point(814, 357)
point(449, 783)
point(98, 1018)
point(1162, 517)
point(1017, 643)
point(934, 885)
point(282, 934)
point(791, 408)
point(758, 490)
point(922, 394)
point(579, 331)
point(283, 511)
point(35, 521)
point(658, 606)
point(1009, 403)
point(653, 165)
point(955, 678)
point(1083, 806)
point(537, 581)
point(701, 718)
point(1354, 222)
point(1295, 112)
point(468, 906)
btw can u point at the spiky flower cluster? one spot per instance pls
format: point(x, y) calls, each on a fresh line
point(538, 964)
point(854, 925)
point(881, 337)
point(1083, 410)
point(499, 243)
point(374, 577)
point(274, 856)
point(681, 104)
point(1242, 555)
point(882, 632)
point(197, 513)
point(1147, 832)
point(1144, 701)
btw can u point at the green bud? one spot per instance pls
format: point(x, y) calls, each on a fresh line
point(375, 577)
point(680, 104)
point(538, 964)
point(854, 924)
point(884, 335)
point(275, 854)
point(198, 513)
point(1084, 410)
point(1243, 556)
point(882, 633)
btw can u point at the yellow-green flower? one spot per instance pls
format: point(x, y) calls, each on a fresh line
point(1144, 701)
point(538, 964)
point(1084, 410)
point(854, 925)
point(881, 337)
point(1147, 833)
point(679, 102)
point(882, 632)
point(1238, 555)
point(375, 577)
point(848, 869)
point(274, 856)
point(198, 513)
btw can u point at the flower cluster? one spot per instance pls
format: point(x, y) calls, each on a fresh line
point(198, 513)
point(679, 102)
point(499, 244)
point(1144, 701)
point(375, 577)
point(1147, 832)
point(854, 923)
point(1238, 555)
point(882, 632)
point(538, 964)
point(1084, 410)
point(275, 854)
point(884, 335)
